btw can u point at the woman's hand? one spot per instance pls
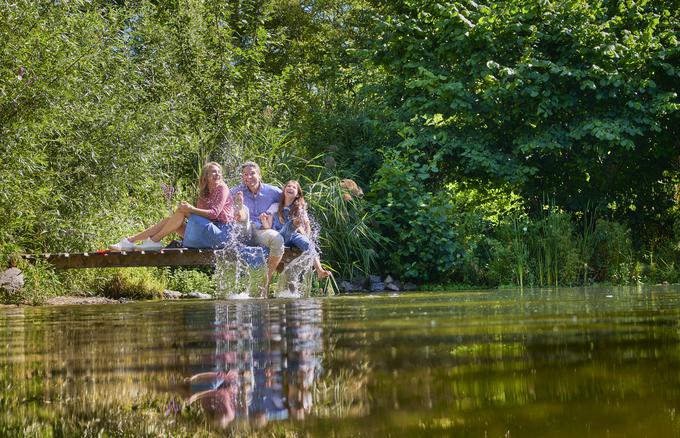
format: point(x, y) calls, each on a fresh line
point(185, 207)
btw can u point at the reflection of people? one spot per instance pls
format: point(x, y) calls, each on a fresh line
point(209, 224)
point(258, 197)
point(218, 402)
point(268, 399)
point(304, 364)
point(289, 217)
point(273, 354)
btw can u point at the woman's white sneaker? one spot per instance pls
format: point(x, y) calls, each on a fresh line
point(150, 245)
point(123, 245)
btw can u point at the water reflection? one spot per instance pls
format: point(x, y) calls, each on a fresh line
point(568, 362)
point(266, 362)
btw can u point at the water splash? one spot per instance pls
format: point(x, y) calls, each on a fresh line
point(241, 269)
point(298, 277)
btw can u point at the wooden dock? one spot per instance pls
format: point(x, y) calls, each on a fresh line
point(126, 259)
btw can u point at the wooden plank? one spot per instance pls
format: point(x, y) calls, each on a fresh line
point(122, 259)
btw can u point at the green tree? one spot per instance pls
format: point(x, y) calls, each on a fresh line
point(576, 99)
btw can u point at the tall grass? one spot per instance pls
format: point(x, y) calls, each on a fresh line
point(613, 258)
point(521, 249)
point(587, 240)
point(346, 236)
point(553, 247)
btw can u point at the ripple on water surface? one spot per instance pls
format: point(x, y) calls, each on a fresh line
point(567, 362)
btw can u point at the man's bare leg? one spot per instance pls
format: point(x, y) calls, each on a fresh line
point(274, 241)
point(272, 264)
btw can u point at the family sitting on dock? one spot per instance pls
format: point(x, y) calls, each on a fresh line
point(252, 213)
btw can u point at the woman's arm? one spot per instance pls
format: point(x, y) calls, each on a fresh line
point(216, 202)
point(208, 375)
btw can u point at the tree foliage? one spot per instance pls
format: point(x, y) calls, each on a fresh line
point(572, 101)
point(575, 99)
point(423, 102)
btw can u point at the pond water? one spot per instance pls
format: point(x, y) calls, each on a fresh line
point(567, 362)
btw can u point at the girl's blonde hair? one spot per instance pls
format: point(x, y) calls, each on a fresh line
point(203, 189)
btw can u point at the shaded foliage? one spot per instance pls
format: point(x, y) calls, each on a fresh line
point(429, 105)
point(575, 99)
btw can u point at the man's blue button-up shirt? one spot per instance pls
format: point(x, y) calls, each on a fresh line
point(259, 202)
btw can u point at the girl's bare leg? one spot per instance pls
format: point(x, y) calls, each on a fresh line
point(320, 271)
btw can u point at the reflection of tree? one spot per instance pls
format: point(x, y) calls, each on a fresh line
point(82, 368)
point(120, 367)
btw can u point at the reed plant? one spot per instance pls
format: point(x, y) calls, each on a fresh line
point(509, 255)
point(662, 263)
point(275, 151)
point(613, 259)
point(586, 241)
point(553, 248)
point(347, 238)
point(521, 250)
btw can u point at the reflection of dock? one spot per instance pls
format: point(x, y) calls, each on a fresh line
point(122, 259)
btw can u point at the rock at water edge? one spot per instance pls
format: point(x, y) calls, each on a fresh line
point(12, 280)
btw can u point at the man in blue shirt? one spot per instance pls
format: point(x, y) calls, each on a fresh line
point(258, 197)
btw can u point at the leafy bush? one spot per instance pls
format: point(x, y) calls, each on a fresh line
point(191, 280)
point(424, 243)
point(40, 283)
point(134, 283)
point(613, 254)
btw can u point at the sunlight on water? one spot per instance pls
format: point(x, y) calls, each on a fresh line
point(563, 363)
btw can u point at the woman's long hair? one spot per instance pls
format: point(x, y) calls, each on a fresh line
point(298, 207)
point(203, 188)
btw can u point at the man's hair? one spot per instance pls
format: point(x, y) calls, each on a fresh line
point(251, 164)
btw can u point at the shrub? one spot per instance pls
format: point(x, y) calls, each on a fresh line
point(613, 253)
point(191, 280)
point(40, 283)
point(134, 283)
